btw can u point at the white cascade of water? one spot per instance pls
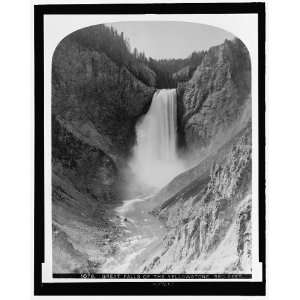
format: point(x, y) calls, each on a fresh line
point(155, 160)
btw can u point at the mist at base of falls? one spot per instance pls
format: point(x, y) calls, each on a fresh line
point(155, 161)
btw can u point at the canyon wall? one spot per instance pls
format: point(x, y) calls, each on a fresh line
point(209, 220)
point(215, 96)
point(96, 101)
point(207, 209)
point(95, 105)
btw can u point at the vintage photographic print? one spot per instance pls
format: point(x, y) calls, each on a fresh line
point(151, 131)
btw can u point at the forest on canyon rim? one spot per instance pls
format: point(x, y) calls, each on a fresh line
point(202, 218)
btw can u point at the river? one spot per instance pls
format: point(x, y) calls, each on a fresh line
point(142, 233)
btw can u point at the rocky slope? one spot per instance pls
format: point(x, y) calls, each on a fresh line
point(94, 95)
point(207, 209)
point(95, 104)
point(209, 221)
point(207, 130)
point(214, 98)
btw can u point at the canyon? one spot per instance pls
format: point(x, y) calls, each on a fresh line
point(105, 220)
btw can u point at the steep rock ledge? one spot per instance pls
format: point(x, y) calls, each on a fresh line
point(96, 98)
point(207, 209)
point(88, 168)
point(209, 221)
point(214, 98)
point(95, 104)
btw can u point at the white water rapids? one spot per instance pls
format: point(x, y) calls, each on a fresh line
point(155, 161)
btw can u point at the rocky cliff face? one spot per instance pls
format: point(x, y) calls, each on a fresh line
point(207, 209)
point(214, 98)
point(209, 221)
point(96, 102)
point(94, 96)
point(95, 105)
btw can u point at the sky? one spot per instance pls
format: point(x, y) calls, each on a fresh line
point(170, 39)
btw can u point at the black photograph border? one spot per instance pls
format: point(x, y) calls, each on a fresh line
point(149, 287)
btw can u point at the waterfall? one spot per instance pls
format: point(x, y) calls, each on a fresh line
point(155, 160)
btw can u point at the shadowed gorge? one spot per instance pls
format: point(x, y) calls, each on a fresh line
point(151, 158)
